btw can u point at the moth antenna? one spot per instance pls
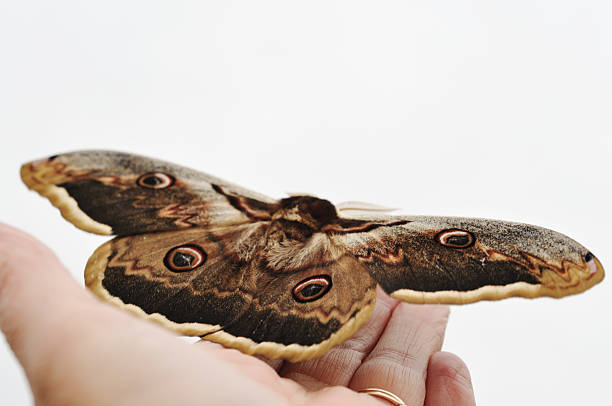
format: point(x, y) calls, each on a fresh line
point(296, 194)
point(362, 206)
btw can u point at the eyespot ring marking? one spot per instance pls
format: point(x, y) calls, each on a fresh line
point(312, 288)
point(185, 258)
point(455, 238)
point(155, 180)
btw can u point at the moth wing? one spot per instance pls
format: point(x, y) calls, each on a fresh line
point(107, 192)
point(212, 283)
point(454, 260)
point(185, 280)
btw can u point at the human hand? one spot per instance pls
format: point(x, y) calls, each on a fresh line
point(77, 350)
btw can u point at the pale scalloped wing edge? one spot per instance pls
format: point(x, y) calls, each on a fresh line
point(94, 274)
point(518, 289)
point(60, 198)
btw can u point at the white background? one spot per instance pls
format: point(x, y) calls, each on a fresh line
point(482, 108)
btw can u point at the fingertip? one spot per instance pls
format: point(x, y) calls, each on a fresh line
point(7, 229)
point(383, 297)
point(448, 381)
point(438, 311)
point(18, 248)
point(449, 365)
point(24, 260)
point(33, 284)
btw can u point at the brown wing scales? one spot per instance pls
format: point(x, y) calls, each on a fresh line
point(461, 260)
point(116, 193)
point(288, 278)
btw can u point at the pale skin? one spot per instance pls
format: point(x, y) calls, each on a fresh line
point(76, 350)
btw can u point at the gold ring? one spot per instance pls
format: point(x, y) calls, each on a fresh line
point(384, 394)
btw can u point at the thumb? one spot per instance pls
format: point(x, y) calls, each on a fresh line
point(77, 351)
point(32, 281)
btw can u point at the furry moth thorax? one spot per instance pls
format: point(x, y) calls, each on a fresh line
point(286, 278)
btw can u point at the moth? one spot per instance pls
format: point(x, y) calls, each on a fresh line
point(286, 278)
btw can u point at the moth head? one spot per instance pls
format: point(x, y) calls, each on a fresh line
point(308, 210)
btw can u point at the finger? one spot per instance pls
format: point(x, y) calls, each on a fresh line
point(339, 364)
point(398, 362)
point(448, 381)
point(275, 364)
point(257, 364)
point(76, 350)
point(32, 282)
